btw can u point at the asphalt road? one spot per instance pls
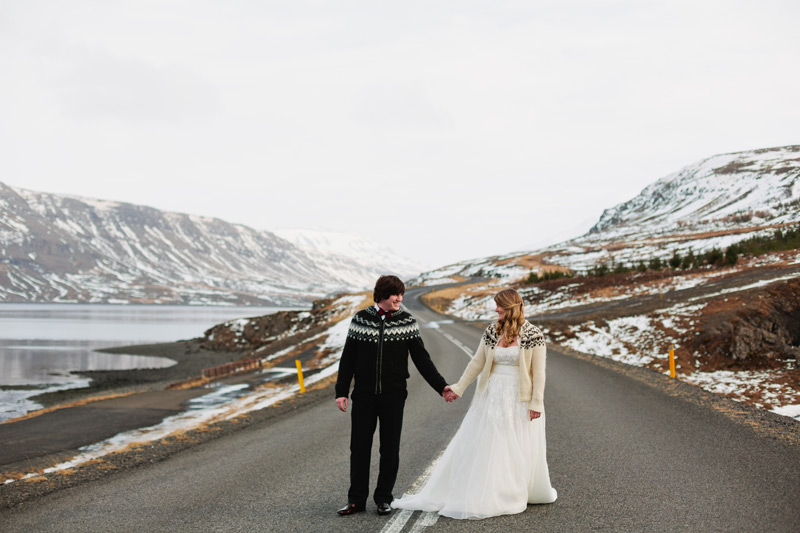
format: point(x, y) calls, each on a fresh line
point(624, 455)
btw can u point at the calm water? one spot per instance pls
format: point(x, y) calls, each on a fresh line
point(42, 344)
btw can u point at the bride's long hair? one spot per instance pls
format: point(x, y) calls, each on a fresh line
point(509, 326)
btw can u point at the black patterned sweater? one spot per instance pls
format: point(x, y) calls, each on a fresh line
point(376, 354)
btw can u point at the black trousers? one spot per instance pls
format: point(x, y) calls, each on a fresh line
point(368, 410)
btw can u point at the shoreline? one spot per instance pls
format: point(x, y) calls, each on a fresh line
point(190, 359)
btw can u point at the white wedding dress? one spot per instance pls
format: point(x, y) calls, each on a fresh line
point(496, 463)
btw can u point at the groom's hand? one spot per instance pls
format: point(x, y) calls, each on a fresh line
point(451, 396)
point(341, 403)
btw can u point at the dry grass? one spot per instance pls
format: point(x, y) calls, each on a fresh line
point(44, 462)
point(440, 300)
point(458, 279)
point(267, 385)
point(16, 476)
point(709, 234)
point(98, 461)
point(537, 261)
point(451, 293)
point(35, 479)
point(531, 262)
point(189, 383)
point(606, 292)
point(522, 260)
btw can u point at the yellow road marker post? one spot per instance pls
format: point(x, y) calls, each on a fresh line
point(300, 376)
point(671, 361)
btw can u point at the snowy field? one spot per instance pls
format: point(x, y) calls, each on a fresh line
point(645, 341)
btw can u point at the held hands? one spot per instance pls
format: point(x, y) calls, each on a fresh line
point(449, 395)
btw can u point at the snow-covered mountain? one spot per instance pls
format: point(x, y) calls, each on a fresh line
point(67, 249)
point(712, 193)
point(369, 256)
point(716, 202)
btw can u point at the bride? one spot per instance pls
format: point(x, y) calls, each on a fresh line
point(496, 463)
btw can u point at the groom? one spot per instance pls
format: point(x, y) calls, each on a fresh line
point(376, 352)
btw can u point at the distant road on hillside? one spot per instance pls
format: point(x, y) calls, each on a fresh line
point(628, 451)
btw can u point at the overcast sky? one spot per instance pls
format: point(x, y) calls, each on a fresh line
point(445, 130)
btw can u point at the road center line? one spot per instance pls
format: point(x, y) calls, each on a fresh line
point(395, 525)
point(457, 342)
point(426, 519)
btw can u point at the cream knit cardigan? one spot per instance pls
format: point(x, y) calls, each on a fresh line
point(532, 357)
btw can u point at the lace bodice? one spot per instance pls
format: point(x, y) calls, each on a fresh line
point(508, 355)
point(502, 392)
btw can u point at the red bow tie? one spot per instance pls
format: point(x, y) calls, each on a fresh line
point(381, 312)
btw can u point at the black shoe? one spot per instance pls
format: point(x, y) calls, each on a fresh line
point(351, 508)
point(384, 509)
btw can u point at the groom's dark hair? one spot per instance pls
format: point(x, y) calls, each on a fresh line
point(387, 286)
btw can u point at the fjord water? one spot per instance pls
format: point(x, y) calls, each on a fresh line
point(42, 344)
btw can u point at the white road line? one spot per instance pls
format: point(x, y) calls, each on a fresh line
point(425, 520)
point(434, 324)
point(458, 343)
point(398, 521)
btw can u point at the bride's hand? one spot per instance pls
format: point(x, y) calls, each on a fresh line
point(534, 414)
point(449, 395)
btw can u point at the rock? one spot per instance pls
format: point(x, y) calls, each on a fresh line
point(759, 324)
point(769, 338)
